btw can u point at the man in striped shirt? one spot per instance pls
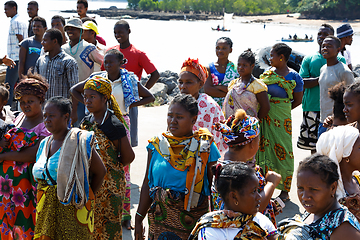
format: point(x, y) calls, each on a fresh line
point(56, 66)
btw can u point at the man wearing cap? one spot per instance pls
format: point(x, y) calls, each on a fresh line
point(89, 35)
point(345, 34)
point(85, 54)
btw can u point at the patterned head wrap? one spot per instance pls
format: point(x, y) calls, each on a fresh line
point(193, 66)
point(32, 86)
point(239, 129)
point(103, 86)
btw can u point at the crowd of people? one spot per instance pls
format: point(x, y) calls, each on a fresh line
point(69, 122)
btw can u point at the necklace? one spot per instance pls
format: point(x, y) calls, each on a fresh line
point(103, 120)
point(77, 48)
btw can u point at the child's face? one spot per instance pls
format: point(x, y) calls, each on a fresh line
point(351, 107)
point(329, 48)
point(121, 33)
point(112, 64)
point(3, 102)
point(244, 67)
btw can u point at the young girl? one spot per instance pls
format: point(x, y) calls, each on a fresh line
point(114, 149)
point(191, 79)
point(128, 93)
point(222, 72)
point(352, 104)
point(285, 87)
point(247, 92)
point(336, 93)
point(238, 185)
point(176, 185)
point(241, 134)
point(317, 181)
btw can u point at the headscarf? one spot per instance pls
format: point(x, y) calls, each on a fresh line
point(103, 86)
point(239, 129)
point(193, 66)
point(337, 144)
point(32, 86)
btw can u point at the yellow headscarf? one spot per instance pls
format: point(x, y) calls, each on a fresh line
point(103, 86)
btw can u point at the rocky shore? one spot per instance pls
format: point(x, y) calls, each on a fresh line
point(117, 13)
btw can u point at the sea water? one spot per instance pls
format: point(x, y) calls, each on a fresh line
point(169, 43)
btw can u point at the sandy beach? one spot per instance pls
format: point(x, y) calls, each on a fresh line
point(295, 19)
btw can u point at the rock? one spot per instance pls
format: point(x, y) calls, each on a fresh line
point(262, 60)
point(356, 70)
point(171, 82)
point(159, 90)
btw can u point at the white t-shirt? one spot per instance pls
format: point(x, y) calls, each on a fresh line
point(347, 56)
point(329, 77)
point(209, 233)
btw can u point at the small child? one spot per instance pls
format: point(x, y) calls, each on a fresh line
point(331, 74)
point(247, 92)
point(221, 72)
point(7, 117)
point(336, 93)
point(241, 134)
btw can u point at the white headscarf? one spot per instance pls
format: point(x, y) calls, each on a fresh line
point(337, 144)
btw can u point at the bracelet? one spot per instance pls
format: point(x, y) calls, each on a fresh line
point(137, 213)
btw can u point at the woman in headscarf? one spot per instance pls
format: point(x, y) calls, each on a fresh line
point(176, 185)
point(114, 149)
point(342, 145)
point(17, 186)
point(191, 79)
point(69, 172)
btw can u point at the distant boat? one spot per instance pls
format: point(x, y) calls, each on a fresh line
point(227, 18)
point(297, 40)
point(220, 29)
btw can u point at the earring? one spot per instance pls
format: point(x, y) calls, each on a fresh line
point(236, 203)
point(332, 195)
point(280, 60)
point(347, 160)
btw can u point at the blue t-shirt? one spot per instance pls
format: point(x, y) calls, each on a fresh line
point(213, 70)
point(276, 91)
point(33, 50)
point(162, 174)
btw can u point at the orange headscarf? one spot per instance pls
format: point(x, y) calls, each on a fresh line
point(193, 66)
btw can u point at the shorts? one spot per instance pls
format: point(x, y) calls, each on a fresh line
point(309, 130)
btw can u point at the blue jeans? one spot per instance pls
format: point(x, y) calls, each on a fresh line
point(12, 76)
point(321, 130)
point(133, 114)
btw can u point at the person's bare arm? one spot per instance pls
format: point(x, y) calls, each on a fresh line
point(264, 103)
point(310, 82)
point(154, 76)
point(20, 37)
point(77, 91)
point(27, 154)
point(297, 99)
point(212, 90)
point(97, 57)
point(272, 180)
point(97, 170)
point(144, 203)
point(145, 96)
point(345, 231)
point(123, 146)
point(22, 59)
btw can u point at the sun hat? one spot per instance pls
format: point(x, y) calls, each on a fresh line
point(74, 22)
point(90, 25)
point(344, 31)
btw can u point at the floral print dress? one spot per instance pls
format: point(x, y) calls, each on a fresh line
point(18, 193)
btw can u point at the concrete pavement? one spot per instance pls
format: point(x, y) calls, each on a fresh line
point(152, 121)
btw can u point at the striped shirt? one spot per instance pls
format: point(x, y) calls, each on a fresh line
point(16, 28)
point(61, 72)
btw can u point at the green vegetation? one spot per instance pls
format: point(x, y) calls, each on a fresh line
point(240, 7)
point(331, 9)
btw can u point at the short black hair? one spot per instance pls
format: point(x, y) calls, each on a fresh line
point(55, 34)
point(123, 23)
point(4, 91)
point(84, 19)
point(282, 48)
point(34, 3)
point(326, 25)
point(61, 18)
point(248, 55)
point(11, 4)
point(188, 102)
point(63, 104)
point(40, 19)
point(320, 165)
point(231, 177)
point(119, 55)
point(336, 93)
point(336, 40)
point(85, 2)
point(227, 40)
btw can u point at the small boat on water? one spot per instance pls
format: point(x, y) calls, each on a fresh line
point(220, 29)
point(297, 40)
point(227, 18)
